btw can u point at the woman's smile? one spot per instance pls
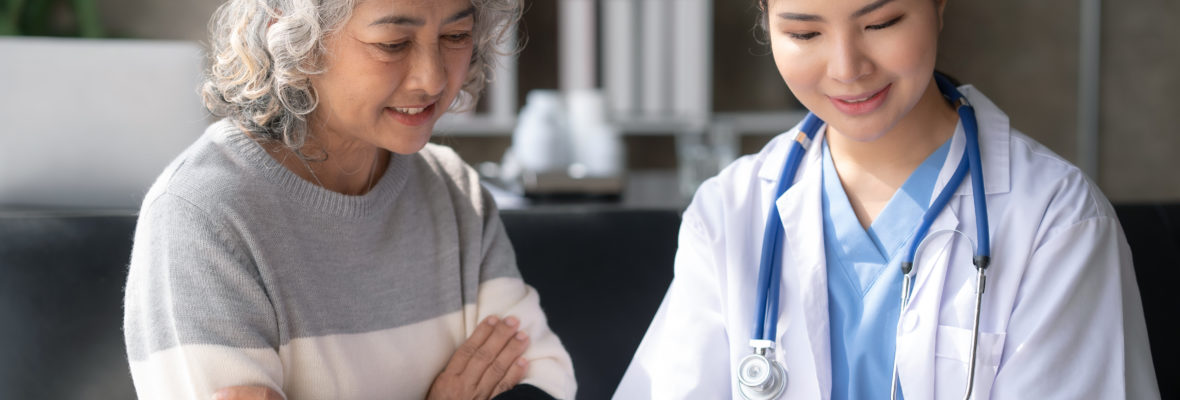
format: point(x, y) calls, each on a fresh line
point(412, 116)
point(861, 103)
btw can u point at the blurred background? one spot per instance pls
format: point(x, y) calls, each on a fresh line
point(634, 101)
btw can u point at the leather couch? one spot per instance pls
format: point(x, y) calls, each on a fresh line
point(601, 273)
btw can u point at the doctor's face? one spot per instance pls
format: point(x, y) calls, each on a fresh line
point(860, 65)
point(392, 70)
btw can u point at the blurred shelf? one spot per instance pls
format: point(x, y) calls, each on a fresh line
point(741, 123)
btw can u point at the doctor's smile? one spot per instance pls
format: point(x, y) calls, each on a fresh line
point(862, 103)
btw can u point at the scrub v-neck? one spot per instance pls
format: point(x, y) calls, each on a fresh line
point(864, 280)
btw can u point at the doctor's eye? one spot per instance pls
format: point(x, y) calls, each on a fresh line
point(885, 24)
point(802, 36)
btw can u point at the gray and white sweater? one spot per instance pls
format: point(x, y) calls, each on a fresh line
point(242, 273)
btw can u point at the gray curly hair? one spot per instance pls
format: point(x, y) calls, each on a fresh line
point(264, 51)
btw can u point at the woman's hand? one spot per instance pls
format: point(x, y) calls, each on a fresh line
point(247, 393)
point(487, 364)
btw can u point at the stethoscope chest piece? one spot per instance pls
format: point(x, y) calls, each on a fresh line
point(760, 377)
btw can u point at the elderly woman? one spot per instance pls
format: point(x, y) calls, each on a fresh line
point(312, 242)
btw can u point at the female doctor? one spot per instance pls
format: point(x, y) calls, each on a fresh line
point(1060, 315)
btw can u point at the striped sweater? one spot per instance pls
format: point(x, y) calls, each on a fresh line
point(242, 273)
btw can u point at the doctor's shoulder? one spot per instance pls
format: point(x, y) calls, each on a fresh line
point(737, 190)
point(740, 177)
point(1052, 186)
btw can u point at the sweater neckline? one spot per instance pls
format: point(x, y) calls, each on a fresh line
point(383, 193)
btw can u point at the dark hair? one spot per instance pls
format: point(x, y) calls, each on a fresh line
point(761, 30)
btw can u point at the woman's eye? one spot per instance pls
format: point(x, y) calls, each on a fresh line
point(394, 47)
point(885, 24)
point(802, 36)
point(458, 38)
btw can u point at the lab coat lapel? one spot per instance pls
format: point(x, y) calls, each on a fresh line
point(994, 136)
point(930, 262)
point(803, 262)
point(995, 133)
point(918, 328)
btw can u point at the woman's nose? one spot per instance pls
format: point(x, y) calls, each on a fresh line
point(428, 72)
point(848, 62)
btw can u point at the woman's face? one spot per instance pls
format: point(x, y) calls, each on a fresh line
point(860, 65)
point(392, 70)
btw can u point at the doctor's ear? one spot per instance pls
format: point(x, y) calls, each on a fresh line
point(940, 6)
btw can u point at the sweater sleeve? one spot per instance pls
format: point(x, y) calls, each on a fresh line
point(197, 316)
point(503, 293)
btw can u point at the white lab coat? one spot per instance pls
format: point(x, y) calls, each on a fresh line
point(1061, 316)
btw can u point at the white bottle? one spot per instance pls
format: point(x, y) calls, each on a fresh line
point(597, 145)
point(540, 142)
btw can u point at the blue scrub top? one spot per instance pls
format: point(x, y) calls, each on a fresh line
point(864, 277)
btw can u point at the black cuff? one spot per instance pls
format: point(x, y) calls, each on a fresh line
point(524, 392)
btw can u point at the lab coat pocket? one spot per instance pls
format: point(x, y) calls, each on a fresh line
point(952, 352)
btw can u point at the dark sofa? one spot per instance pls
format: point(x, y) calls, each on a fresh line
point(601, 273)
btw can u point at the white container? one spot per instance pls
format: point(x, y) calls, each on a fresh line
point(597, 145)
point(540, 142)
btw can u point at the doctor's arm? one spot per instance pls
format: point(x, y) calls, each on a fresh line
point(1077, 328)
point(685, 352)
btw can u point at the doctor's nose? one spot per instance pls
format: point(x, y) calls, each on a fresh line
point(848, 62)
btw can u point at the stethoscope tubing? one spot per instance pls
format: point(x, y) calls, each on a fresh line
point(971, 162)
point(766, 321)
point(971, 133)
point(939, 203)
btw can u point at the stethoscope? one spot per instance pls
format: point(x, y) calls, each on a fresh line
point(759, 375)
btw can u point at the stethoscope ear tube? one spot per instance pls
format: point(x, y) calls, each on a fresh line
point(967, 116)
point(980, 284)
point(982, 258)
point(975, 163)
